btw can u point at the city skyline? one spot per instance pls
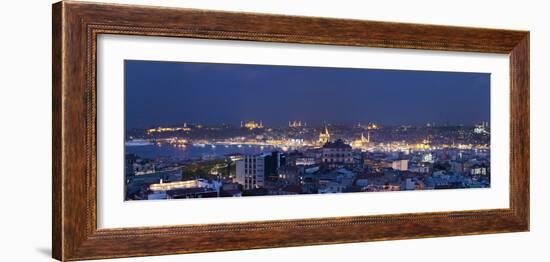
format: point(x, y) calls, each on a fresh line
point(199, 130)
point(172, 93)
point(322, 124)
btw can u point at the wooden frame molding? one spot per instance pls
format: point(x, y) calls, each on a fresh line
point(75, 28)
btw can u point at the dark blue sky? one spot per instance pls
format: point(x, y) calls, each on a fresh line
point(170, 93)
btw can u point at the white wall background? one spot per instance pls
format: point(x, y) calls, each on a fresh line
point(25, 129)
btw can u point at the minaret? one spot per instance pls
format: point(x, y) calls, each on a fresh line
point(324, 137)
point(368, 136)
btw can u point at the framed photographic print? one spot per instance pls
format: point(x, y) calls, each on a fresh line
point(181, 130)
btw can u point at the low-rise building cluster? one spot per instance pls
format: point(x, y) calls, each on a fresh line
point(334, 167)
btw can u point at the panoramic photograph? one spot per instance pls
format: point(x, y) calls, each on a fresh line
point(208, 130)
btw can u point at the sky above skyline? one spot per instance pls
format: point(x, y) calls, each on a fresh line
point(171, 93)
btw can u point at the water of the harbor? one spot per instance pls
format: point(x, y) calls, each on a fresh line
point(153, 151)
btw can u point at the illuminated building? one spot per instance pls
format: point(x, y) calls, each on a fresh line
point(300, 159)
point(179, 184)
point(235, 156)
point(305, 161)
point(479, 170)
point(324, 137)
point(196, 188)
point(168, 129)
point(296, 124)
point(401, 165)
point(428, 158)
point(250, 171)
point(362, 142)
point(252, 125)
point(337, 153)
point(481, 128)
point(372, 126)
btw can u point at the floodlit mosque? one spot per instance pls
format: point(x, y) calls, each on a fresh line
point(252, 125)
point(324, 137)
point(362, 142)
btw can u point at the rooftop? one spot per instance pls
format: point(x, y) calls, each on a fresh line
point(337, 144)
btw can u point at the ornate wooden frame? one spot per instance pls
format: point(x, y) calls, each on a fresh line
point(76, 26)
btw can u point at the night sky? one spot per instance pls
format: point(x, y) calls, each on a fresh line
point(171, 93)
